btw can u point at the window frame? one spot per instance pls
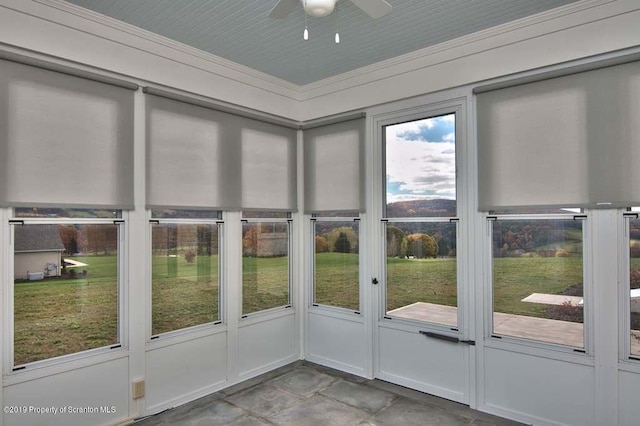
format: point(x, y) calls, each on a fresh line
point(624, 298)
point(494, 338)
point(384, 311)
point(456, 106)
point(121, 221)
point(288, 220)
point(216, 219)
point(333, 217)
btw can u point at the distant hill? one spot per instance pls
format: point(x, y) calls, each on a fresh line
point(422, 208)
point(447, 208)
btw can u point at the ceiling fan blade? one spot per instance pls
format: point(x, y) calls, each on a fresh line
point(283, 8)
point(374, 8)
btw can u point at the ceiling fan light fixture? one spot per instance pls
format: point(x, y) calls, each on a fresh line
point(318, 8)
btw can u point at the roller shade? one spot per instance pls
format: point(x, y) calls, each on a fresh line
point(334, 167)
point(66, 141)
point(268, 167)
point(198, 157)
point(569, 141)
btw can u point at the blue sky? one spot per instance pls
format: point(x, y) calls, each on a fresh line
point(420, 158)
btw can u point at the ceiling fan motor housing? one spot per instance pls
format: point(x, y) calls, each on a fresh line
point(318, 8)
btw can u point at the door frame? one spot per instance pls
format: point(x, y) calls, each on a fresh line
point(468, 260)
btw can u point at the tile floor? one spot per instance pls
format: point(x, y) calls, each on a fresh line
point(304, 394)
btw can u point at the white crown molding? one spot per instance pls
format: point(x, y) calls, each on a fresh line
point(189, 56)
point(442, 52)
point(574, 14)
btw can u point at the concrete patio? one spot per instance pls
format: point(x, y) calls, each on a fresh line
point(541, 329)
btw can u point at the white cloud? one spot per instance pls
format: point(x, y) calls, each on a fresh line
point(423, 170)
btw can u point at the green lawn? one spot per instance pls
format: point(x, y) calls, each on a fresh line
point(61, 316)
point(183, 294)
point(336, 281)
point(421, 280)
point(635, 264)
point(518, 277)
point(265, 283)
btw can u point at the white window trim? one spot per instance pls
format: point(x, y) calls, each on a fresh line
point(530, 346)
point(331, 310)
point(18, 373)
point(196, 331)
point(627, 360)
point(276, 311)
point(455, 103)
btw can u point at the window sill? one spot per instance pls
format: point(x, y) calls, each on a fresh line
point(336, 312)
point(63, 364)
point(266, 315)
point(186, 334)
point(539, 349)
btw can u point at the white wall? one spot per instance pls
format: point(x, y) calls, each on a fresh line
point(538, 390)
point(96, 394)
point(185, 369)
point(628, 397)
point(35, 262)
point(337, 340)
point(265, 345)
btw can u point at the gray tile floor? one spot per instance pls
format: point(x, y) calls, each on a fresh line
point(304, 394)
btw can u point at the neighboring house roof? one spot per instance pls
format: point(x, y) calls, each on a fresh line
point(30, 238)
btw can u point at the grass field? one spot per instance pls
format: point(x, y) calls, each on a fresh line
point(183, 294)
point(336, 280)
point(62, 316)
point(421, 280)
point(265, 283)
point(516, 278)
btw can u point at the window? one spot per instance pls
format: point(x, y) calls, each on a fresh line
point(336, 261)
point(185, 287)
point(335, 197)
point(538, 290)
point(634, 286)
point(67, 284)
point(265, 261)
point(421, 220)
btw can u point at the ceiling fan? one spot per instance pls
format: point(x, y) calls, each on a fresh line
point(320, 8)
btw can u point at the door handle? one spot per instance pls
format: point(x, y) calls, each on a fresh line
point(447, 338)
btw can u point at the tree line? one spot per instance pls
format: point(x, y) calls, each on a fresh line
point(420, 245)
point(95, 239)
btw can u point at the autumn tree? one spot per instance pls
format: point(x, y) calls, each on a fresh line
point(322, 246)
point(250, 240)
point(349, 233)
point(420, 246)
point(206, 244)
point(342, 244)
point(101, 238)
point(69, 236)
point(395, 237)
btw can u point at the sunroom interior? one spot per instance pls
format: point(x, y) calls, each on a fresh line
point(192, 195)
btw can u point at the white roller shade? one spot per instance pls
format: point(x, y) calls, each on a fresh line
point(66, 141)
point(561, 142)
point(334, 167)
point(198, 157)
point(268, 167)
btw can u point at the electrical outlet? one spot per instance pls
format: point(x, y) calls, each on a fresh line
point(137, 389)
